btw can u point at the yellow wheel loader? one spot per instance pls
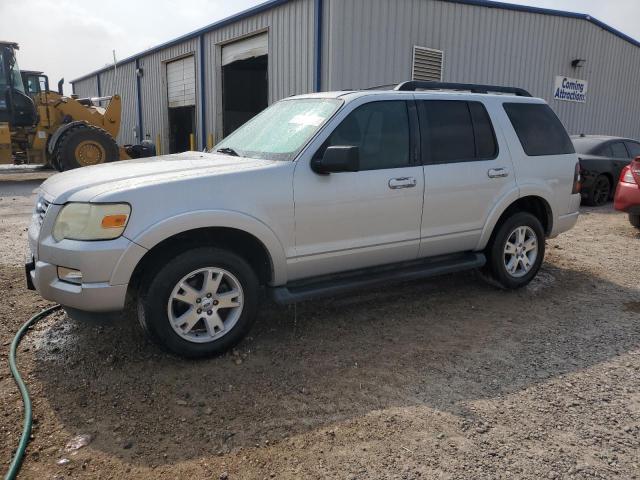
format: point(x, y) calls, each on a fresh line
point(38, 125)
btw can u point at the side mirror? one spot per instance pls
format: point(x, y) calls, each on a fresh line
point(337, 159)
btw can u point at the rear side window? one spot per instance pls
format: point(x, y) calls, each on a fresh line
point(456, 131)
point(634, 149)
point(539, 129)
point(604, 151)
point(618, 150)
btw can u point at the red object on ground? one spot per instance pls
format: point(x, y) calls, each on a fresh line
point(627, 198)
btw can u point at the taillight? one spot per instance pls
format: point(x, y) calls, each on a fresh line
point(577, 179)
point(626, 176)
point(635, 170)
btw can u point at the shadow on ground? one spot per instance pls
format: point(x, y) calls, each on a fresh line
point(437, 343)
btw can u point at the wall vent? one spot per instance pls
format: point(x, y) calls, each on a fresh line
point(427, 64)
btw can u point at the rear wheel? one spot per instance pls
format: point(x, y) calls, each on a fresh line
point(201, 303)
point(634, 220)
point(600, 192)
point(516, 251)
point(84, 145)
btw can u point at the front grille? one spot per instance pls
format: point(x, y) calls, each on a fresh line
point(41, 210)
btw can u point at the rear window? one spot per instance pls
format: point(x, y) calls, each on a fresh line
point(539, 130)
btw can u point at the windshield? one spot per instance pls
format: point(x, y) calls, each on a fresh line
point(280, 131)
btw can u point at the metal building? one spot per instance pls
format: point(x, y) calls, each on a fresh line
point(209, 81)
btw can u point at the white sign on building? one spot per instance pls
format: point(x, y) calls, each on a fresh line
point(570, 89)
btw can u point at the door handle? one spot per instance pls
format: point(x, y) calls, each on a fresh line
point(498, 172)
point(402, 182)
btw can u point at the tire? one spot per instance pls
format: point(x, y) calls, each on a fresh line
point(497, 258)
point(634, 220)
point(84, 145)
point(209, 329)
point(600, 192)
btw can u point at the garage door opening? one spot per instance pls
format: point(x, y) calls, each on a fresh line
point(244, 81)
point(181, 125)
point(181, 92)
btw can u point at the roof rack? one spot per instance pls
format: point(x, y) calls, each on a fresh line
point(471, 87)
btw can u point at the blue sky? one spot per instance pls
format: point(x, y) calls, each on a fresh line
point(68, 38)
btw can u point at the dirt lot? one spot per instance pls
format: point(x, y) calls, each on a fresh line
point(448, 378)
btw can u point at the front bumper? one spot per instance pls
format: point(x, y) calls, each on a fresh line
point(90, 297)
point(106, 267)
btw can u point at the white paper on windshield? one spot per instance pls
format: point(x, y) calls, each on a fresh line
point(312, 120)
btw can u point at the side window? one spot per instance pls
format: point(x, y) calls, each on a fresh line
point(486, 145)
point(605, 151)
point(539, 129)
point(381, 132)
point(634, 149)
point(618, 150)
point(456, 131)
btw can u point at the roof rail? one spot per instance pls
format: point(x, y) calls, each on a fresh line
point(471, 87)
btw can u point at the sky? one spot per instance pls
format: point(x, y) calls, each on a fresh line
point(69, 38)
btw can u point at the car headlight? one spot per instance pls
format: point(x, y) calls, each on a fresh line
point(91, 221)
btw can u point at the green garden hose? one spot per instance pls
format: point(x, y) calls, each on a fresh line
point(16, 462)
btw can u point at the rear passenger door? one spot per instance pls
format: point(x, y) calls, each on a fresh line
point(466, 173)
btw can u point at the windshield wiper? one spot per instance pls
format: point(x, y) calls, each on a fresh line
point(228, 151)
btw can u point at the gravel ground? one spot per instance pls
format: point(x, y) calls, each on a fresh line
point(447, 378)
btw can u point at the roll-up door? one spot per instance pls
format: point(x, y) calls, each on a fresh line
point(181, 82)
point(251, 47)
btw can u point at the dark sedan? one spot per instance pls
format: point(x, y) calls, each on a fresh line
point(602, 159)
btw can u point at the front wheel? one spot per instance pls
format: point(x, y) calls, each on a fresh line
point(516, 251)
point(634, 220)
point(201, 303)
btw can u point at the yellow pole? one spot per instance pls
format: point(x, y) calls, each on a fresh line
point(210, 141)
point(158, 145)
point(192, 142)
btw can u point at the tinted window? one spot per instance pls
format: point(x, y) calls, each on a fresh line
point(486, 146)
point(604, 151)
point(539, 130)
point(456, 131)
point(380, 130)
point(618, 150)
point(634, 149)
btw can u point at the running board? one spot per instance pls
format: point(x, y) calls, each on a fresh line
point(327, 286)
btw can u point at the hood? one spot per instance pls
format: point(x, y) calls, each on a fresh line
point(123, 174)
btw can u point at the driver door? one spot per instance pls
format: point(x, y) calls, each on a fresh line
point(351, 220)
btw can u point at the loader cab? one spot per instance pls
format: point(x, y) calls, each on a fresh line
point(34, 82)
point(16, 107)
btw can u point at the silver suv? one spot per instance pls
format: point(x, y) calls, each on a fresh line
point(318, 194)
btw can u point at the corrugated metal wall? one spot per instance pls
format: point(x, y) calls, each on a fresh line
point(86, 88)
point(369, 42)
point(291, 54)
point(123, 82)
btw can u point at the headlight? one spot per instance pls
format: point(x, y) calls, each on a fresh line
point(91, 221)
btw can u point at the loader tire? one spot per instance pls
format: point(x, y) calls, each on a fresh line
point(82, 146)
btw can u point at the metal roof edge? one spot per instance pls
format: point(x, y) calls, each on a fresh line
point(274, 3)
point(261, 7)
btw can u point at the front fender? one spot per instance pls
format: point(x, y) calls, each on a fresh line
point(175, 225)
